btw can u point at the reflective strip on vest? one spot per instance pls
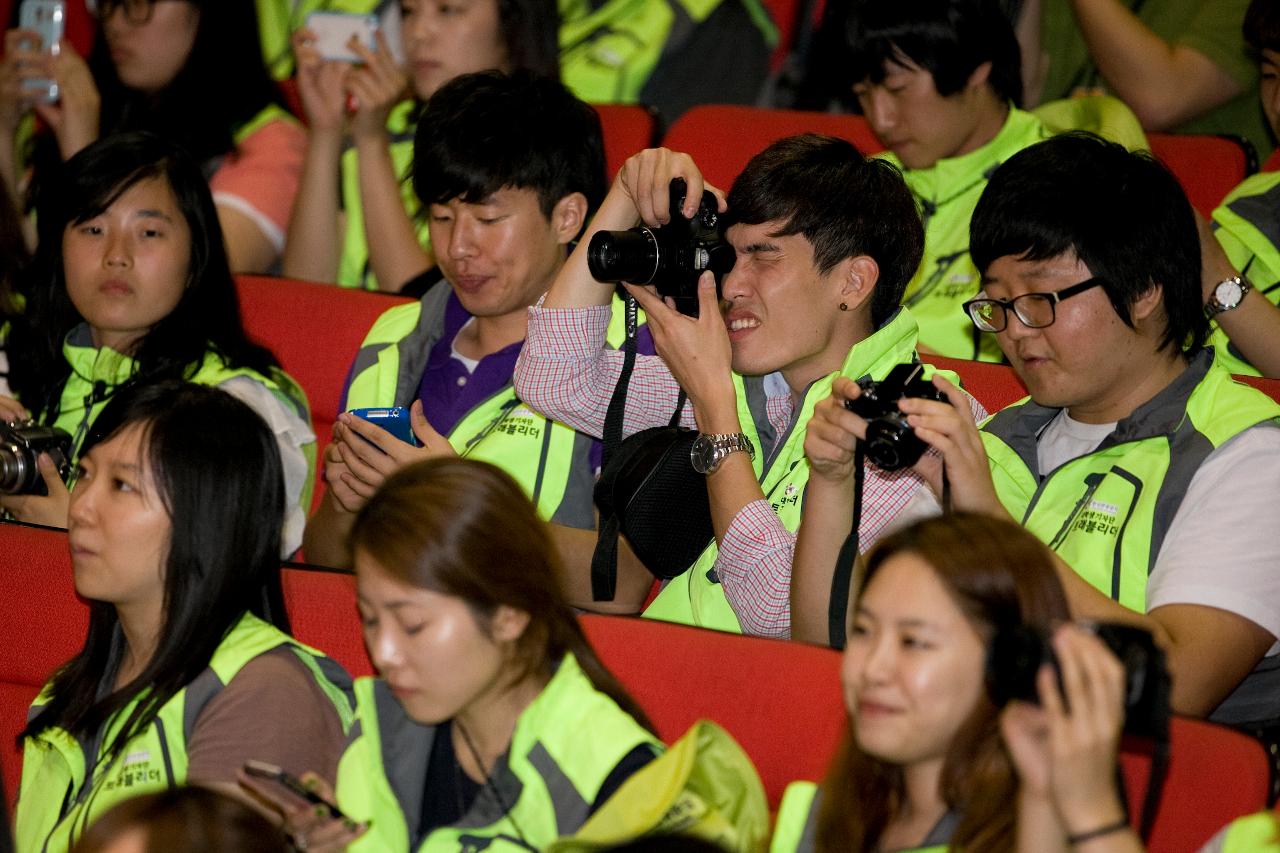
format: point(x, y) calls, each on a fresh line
point(56, 805)
point(566, 743)
point(696, 596)
point(353, 266)
point(1107, 513)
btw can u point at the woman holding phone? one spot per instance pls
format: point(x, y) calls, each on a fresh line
point(187, 669)
point(354, 223)
point(163, 67)
point(492, 717)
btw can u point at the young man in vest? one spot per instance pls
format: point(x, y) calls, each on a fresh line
point(825, 243)
point(939, 82)
point(508, 167)
point(1149, 472)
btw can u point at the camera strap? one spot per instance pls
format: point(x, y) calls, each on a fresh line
point(842, 578)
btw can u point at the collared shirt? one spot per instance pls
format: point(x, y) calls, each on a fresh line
point(567, 372)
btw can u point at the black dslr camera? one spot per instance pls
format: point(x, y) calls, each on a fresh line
point(672, 257)
point(890, 444)
point(21, 443)
point(1017, 654)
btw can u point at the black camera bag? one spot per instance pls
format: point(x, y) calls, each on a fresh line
point(647, 491)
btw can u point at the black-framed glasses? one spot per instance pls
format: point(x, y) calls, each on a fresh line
point(1034, 310)
point(136, 12)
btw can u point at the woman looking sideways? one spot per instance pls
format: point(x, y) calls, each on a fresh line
point(492, 716)
point(353, 222)
point(925, 766)
point(131, 282)
point(187, 669)
point(162, 66)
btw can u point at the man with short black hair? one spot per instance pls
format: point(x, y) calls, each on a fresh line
point(825, 242)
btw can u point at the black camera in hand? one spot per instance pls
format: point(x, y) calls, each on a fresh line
point(891, 444)
point(21, 443)
point(1017, 653)
point(672, 257)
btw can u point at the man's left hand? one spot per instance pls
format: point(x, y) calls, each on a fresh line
point(372, 454)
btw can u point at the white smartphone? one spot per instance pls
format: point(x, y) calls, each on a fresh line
point(47, 19)
point(333, 32)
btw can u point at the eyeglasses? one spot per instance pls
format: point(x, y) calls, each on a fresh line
point(136, 12)
point(1034, 310)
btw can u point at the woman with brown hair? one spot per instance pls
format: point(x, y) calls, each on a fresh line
point(925, 766)
point(492, 717)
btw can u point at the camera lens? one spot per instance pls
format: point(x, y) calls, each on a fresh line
point(623, 256)
point(891, 444)
point(15, 473)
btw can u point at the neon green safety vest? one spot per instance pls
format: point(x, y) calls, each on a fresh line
point(353, 267)
point(97, 371)
point(696, 597)
point(947, 193)
point(1247, 225)
point(565, 745)
point(1255, 833)
point(550, 461)
point(278, 19)
point(64, 790)
point(797, 824)
point(1107, 513)
point(607, 54)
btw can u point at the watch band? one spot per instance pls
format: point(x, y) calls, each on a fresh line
point(710, 449)
point(1216, 306)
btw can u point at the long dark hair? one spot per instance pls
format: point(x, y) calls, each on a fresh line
point(208, 315)
point(464, 528)
point(531, 31)
point(216, 466)
point(999, 575)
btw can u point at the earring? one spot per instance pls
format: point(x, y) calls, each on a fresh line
point(844, 306)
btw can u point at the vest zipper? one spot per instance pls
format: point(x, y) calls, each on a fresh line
point(164, 753)
point(1091, 481)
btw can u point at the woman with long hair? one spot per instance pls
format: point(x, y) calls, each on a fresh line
point(924, 766)
point(131, 281)
point(187, 669)
point(492, 716)
point(190, 71)
point(354, 221)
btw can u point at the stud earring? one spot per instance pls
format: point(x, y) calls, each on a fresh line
point(844, 306)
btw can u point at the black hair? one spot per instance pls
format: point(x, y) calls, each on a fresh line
point(844, 204)
point(223, 84)
point(947, 38)
point(208, 315)
point(1121, 212)
point(531, 32)
point(1262, 26)
point(13, 256)
point(216, 466)
point(485, 131)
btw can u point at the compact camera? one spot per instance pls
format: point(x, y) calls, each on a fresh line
point(21, 443)
point(891, 444)
point(672, 257)
point(1017, 654)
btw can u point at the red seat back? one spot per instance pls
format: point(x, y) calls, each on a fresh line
point(1215, 775)
point(722, 138)
point(44, 625)
point(628, 129)
point(322, 614)
point(1270, 387)
point(780, 700)
point(993, 385)
point(314, 330)
point(1208, 167)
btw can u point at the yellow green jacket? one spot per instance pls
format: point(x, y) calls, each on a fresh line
point(1247, 225)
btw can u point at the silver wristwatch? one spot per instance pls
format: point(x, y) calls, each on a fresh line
point(710, 449)
point(1227, 294)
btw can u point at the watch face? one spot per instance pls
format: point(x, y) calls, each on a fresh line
point(1228, 293)
point(702, 454)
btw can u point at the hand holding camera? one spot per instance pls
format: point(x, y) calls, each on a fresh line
point(34, 463)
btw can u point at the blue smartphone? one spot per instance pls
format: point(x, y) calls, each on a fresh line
point(394, 420)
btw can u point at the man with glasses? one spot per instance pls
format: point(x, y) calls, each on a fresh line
point(1149, 472)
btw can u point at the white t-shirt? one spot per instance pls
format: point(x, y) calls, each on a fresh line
point(1221, 549)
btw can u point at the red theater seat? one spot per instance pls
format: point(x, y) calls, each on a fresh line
point(780, 700)
point(722, 138)
point(322, 613)
point(993, 385)
point(1208, 167)
point(628, 128)
point(314, 330)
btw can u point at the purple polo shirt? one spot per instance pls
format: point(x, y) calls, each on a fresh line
point(447, 390)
